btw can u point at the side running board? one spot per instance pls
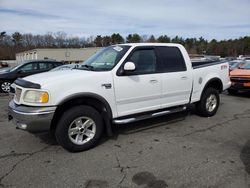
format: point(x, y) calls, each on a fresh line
point(150, 115)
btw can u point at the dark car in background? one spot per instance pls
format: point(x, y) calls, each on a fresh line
point(9, 75)
point(3, 65)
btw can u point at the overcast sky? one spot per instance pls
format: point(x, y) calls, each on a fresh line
point(219, 19)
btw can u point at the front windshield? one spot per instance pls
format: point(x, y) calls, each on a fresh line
point(18, 66)
point(233, 63)
point(238, 64)
point(15, 67)
point(106, 59)
point(246, 66)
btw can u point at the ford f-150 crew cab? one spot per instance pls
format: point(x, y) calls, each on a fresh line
point(119, 84)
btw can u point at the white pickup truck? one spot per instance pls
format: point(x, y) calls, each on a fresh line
point(119, 84)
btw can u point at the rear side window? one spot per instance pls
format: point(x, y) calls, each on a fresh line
point(43, 65)
point(50, 65)
point(170, 59)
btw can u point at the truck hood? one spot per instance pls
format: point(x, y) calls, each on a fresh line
point(240, 73)
point(65, 83)
point(56, 77)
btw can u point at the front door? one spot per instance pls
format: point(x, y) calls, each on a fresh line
point(27, 70)
point(139, 90)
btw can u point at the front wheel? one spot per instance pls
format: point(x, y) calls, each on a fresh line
point(5, 86)
point(79, 129)
point(209, 103)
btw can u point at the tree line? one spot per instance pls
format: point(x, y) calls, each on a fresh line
point(10, 44)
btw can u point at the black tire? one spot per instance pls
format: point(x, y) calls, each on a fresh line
point(232, 91)
point(2, 83)
point(1, 91)
point(201, 106)
point(62, 129)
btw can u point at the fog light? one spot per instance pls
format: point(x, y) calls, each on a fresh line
point(22, 125)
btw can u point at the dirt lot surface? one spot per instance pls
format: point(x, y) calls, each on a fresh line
point(181, 150)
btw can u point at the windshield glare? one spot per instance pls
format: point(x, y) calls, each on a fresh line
point(106, 59)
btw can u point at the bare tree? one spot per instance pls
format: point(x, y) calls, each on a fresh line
point(17, 38)
point(49, 40)
point(27, 40)
point(60, 38)
point(2, 35)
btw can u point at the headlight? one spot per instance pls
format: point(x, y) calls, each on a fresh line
point(36, 96)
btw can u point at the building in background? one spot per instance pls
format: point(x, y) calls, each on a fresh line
point(66, 55)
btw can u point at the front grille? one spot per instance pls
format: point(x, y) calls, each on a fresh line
point(240, 80)
point(18, 94)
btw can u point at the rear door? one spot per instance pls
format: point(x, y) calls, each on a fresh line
point(176, 80)
point(139, 90)
point(45, 66)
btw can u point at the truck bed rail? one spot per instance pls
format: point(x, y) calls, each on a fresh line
point(200, 64)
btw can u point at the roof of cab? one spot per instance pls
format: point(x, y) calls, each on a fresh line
point(151, 44)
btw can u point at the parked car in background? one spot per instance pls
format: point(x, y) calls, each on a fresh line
point(235, 64)
point(247, 58)
point(3, 65)
point(64, 67)
point(9, 75)
point(240, 79)
point(230, 58)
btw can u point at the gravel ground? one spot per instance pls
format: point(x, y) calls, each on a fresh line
point(181, 150)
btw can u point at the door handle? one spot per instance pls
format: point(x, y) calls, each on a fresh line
point(184, 77)
point(153, 81)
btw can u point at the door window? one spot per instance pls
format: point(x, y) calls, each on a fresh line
point(50, 65)
point(144, 60)
point(43, 66)
point(29, 67)
point(171, 59)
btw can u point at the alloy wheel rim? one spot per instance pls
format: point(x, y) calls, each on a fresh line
point(82, 130)
point(211, 103)
point(5, 86)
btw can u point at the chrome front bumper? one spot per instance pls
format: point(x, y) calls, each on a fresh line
point(32, 119)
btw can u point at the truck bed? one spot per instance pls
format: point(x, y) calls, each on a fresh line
point(200, 64)
point(203, 71)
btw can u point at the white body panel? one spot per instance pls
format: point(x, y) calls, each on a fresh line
point(204, 74)
point(177, 86)
point(66, 83)
point(131, 94)
point(138, 93)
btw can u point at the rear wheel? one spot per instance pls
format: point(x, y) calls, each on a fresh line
point(79, 129)
point(5, 86)
point(209, 103)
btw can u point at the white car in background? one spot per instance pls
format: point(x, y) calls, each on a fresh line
point(64, 67)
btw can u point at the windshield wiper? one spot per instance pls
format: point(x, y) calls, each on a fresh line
point(85, 67)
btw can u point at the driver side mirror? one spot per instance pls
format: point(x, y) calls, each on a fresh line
point(129, 66)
